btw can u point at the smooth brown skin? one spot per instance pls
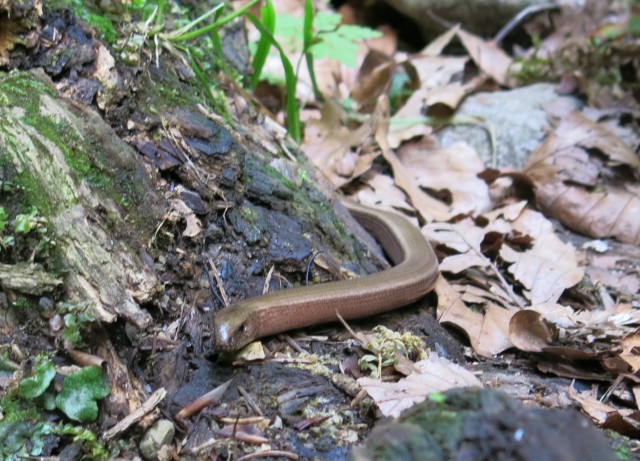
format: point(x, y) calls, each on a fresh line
point(414, 275)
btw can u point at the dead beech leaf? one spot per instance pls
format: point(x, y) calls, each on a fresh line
point(461, 237)
point(587, 178)
point(435, 47)
point(426, 205)
point(371, 84)
point(597, 410)
point(379, 190)
point(439, 91)
point(340, 153)
point(408, 122)
point(561, 316)
point(623, 421)
point(471, 295)
point(509, 213)
point(437, 71)
point(488, 333)
point(631, 351)
point(487, 56)
point(614, 271)
point(434, 374)
point(530, 332)
point(180, 210)
point(549, 267)
point(451, 172)
point(458, 263)
point(443, 103)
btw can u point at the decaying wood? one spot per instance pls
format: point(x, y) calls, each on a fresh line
point(104, 270)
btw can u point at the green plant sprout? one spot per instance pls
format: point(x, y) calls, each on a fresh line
point(3, 218)
point(293, 115)
point(268, 17)
point(321, 35)
point(76, 316)
point(383, 346)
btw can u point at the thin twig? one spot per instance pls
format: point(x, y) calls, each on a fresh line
point(520, 17)
point(216, 275)
point(250, 401)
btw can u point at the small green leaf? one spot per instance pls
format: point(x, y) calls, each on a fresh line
point(79, 393)
point(293, 116)
point(437, 397)
point(309, 15)
point(3, 218)
point(35, 385)
point(264, 44)
point(24, 224)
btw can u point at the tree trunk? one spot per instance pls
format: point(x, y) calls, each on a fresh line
point(142, 227)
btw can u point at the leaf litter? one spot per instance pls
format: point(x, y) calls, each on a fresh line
point(510, 276)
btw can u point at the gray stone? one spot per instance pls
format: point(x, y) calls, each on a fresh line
point(517, 118)
point(158, 435)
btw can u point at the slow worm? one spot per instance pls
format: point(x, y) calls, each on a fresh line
point(413, 275)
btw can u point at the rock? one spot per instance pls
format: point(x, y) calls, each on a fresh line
point(484, 424)
point(518, 119)
point(158, 435)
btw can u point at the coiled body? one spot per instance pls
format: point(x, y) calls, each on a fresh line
point(413, 275)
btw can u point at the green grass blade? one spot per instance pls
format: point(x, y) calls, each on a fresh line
point(160, 12)
point(264, 45)
point(216, 25)
point(308, 43)
point(202, 78)
point(215, 36)
point(293, 116)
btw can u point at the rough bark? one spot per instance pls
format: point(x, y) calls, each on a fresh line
point(141, 232)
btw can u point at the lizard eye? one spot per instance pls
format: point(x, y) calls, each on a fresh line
point(243, 328)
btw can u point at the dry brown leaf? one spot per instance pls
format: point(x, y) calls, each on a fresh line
point(437, 71)
point(443, 102)
point(463, 237)
point(374, 77)
point(488, 333)
point(597, 410)
point(549, 267)
point(408, 122)
point(631, 351)
point(460, 262)
point(379, 190)
point(426, 205)
point(588, 179)
point(530, 332)
point(475, 295)
point(434, 374)
point(487, 56)
point(623, 421)
point(509, 213)
point(440, 89)
point(613, 271)
point(180, 210)
point(561, 316)
point(435, 47)
point(612, 324)
point(450, 172)
point(374, 74)
point(339, 152)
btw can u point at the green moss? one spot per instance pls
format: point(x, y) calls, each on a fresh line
point(249, 215)
point(83, 156)
point(23, 302)
point(274, 173)
point(14, 409)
